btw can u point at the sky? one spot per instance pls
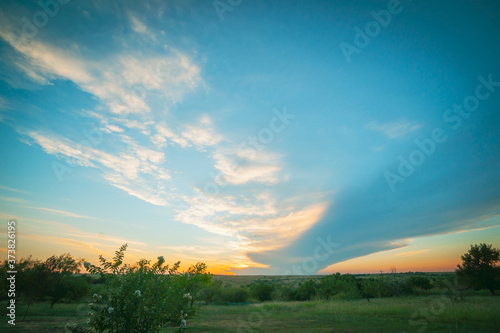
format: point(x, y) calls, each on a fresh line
point(259, 137)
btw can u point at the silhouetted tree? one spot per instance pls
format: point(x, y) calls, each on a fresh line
point(479, 267)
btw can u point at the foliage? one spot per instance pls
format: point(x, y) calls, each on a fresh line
point(262, 291)
point(61, 282)
point(141, 298)
point(306, 291)
point(337, 284)
point(419, 282)
point(284, 293)
point(212, 293)
point(52, 279)
point(479, 267)
point(235, 294)
point(194, 280)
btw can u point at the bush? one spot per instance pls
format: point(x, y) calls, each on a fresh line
point(212, 293)
point(340, 286)
point(419, 282)
point(139, 298)
point(262, 291)
point(306, 291)
point(284, 293)
point(235, 294)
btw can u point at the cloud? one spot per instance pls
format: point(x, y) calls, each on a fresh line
point(243, 165)
point(163, 133)
point(394, 129)
point(12, 189)
point(134, 168)
point(202, 135)
point(11, 199)
point(60, 212)
point(259, 223)
point(122, 81)
point(371, 218)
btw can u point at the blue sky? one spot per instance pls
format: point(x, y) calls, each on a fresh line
point(239, 132)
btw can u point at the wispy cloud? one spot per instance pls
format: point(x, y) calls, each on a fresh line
point(11, 199)
point(394, 129)
point(12, 189)
point(60, 212)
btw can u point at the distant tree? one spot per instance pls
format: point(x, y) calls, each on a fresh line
point(419, 282)
point(334, 284)
point(212, 293)
point(306, 291)
point(479, 267)
point(235, 294)
point(262, 291)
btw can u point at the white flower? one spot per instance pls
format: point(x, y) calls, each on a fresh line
point(110, 309)
point(183, 323)
point(138, 293)
point(187, 296)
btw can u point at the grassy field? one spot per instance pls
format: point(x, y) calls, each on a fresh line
point(410, 314)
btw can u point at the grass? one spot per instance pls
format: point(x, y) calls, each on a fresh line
point(429, 314)
point(410, 314)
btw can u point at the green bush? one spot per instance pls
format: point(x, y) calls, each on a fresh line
point(140, 298)
point(306, 291)
point(212, 293)
point(235, 294)
point(262, 291)
point(419, 282)
point(284, 293)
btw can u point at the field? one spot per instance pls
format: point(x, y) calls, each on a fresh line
point(430, 313)
point(411, 314)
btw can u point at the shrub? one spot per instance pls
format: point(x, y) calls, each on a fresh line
point(262, 291)
point(419, 282)
point(235, 294)
point(284, 293)
point(212, 293)
point(139, 298)
point(306, 291)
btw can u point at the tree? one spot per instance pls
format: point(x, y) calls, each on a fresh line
point(306, 291)
point(479, 267)
point(61, 281)
point(195, 279)
point(262, 291)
